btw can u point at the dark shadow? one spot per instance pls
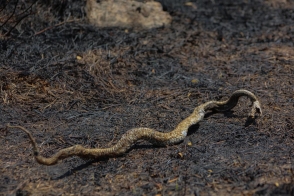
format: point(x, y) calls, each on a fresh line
point(227, 114)
point(250, 121)
point(192, 129)
point(230, 114)
point(143, 146)
point(79, 168)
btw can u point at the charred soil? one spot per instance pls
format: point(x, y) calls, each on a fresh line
point(71, 83)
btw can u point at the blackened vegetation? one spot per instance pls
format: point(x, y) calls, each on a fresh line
point(71, 83)
point(12, 12)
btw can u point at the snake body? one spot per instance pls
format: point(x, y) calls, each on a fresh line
point(151, 135)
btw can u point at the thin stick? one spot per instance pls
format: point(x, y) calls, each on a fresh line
point(48, 28)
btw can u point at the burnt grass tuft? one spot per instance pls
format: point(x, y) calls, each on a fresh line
point(71, 83)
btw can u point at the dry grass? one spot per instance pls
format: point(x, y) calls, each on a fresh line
point(74, 84)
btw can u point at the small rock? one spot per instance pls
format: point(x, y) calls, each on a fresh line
point(127, 14)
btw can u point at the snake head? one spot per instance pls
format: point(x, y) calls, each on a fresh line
point(255, 109)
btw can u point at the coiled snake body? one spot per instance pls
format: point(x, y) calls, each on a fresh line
point(151, 135)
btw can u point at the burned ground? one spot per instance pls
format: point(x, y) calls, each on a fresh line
point(70, 83)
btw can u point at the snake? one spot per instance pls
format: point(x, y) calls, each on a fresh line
point(141, 133)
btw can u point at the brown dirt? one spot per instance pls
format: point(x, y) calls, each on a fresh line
point(70, 83)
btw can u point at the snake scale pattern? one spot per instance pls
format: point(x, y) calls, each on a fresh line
point(141, 133)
